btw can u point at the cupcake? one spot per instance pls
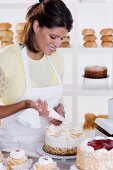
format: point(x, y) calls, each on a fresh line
point(45, 163)
point(16, 158)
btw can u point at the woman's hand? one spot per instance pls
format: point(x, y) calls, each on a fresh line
point(60, 109)
point(55, 122)
point(42, 108)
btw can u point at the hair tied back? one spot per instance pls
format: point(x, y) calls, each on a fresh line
point(41, 1)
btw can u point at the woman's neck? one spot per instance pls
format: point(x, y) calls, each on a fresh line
point(35, 56)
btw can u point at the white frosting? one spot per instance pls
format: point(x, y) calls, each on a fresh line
point(63, 136)
point(110, 138)
point(45, 160)
point(2, 167)
point(17, 154)
point(101, 151)
point(99, 137)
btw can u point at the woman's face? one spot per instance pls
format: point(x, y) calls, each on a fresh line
point(47, 40)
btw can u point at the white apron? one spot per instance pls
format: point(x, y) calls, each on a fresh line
point(12, 130)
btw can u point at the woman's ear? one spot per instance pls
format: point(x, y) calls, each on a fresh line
point(36, 26)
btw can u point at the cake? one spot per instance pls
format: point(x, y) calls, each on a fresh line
point(95, 71)
point(16, 158)
point(95, 154)
point(45, 163)
point(62, 140)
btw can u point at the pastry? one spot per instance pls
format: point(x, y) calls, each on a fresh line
point(7, 39)
point(17, 157)
point(90, 117)
point(107, 38)
point(107, 44)
point(95, 71)
point(65, 44)
point(89, 44)
point(5, 26)
point(6, 33)
point(89, 38)
point(4, 44)
point(106, 31)
point(45, 163)
point(88, 31)
point(20, 26)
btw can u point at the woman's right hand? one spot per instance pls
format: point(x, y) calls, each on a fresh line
point(42, 108)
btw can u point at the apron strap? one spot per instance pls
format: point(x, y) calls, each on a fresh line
point(55, 71)
point(26, 69)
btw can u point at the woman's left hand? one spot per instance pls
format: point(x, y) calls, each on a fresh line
point(55, 122)
point(59, 109)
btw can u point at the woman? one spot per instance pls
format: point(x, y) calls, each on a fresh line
point(34, 72)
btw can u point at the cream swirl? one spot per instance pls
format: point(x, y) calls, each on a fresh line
point(17, 154)
point(45, 160)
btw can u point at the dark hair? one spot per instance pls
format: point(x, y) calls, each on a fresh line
point(50, 14)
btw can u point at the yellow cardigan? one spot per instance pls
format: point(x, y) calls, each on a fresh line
point(11, 62)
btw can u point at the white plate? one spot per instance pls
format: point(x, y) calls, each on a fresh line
point(42, 152)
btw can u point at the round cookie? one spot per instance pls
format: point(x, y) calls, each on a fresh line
point(20, 26)
point(88, 31)
point(5, 26)
point(106, 31)
point(90, 44)
point(89, 38)
point(6, 33)
point(107, 44)
point(107, 38)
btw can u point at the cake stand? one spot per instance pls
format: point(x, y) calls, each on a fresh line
point(42, 152)
point(95, 83)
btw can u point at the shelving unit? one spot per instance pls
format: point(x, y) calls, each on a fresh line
point(97, 16)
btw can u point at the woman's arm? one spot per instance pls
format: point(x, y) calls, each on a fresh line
point(8, 110)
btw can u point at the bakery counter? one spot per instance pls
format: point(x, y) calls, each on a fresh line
point(63, 164)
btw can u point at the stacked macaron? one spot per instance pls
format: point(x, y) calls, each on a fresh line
point(6, 34)
point(106, 37)
point(65, 42)
point(19, 32)
point(89, 37)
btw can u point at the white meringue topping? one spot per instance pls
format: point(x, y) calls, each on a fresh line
point(45, 160)
point(17, 154)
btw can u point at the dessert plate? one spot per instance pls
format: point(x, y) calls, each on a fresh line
point(42, 152)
